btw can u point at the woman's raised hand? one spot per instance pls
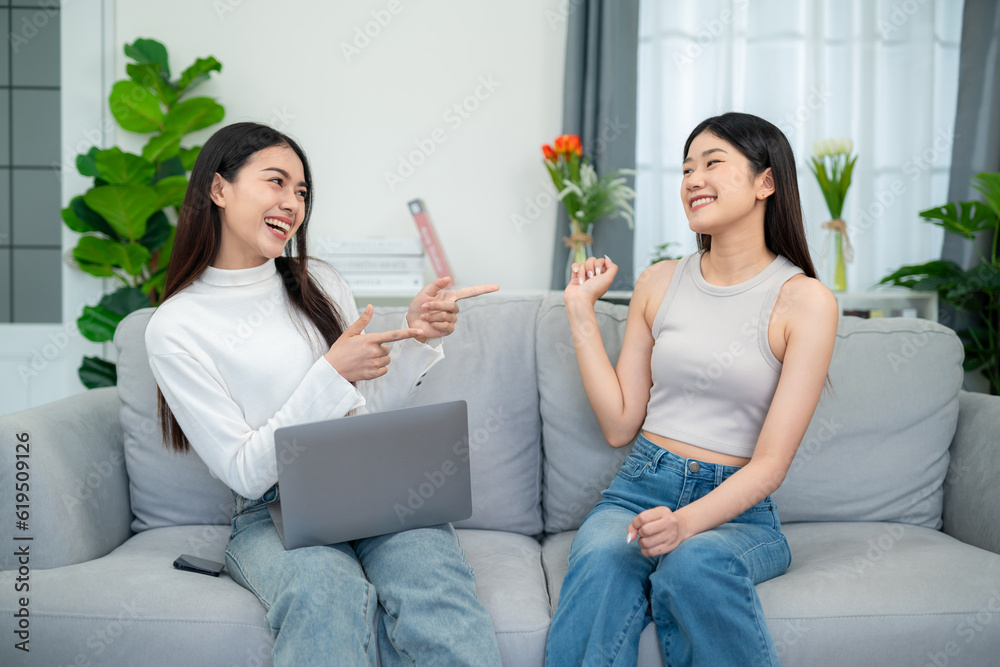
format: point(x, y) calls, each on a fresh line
point(360, 356)
point(591, 280)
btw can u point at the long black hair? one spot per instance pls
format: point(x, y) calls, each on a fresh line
point(199, 235)
point(764, 145)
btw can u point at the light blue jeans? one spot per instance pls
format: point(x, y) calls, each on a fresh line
point(701, 595)
point(321, 601)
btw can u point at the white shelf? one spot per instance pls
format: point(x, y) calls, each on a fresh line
point(891, 302)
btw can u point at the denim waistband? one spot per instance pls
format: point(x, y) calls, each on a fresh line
point(658, 456)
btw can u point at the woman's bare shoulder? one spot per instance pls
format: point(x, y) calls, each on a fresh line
point(652, 286)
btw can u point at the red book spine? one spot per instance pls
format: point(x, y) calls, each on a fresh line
point(430, 240)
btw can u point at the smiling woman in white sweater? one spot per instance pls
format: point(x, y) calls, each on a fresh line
point(252, 336)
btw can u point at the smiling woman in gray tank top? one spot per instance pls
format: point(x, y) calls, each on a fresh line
point(725, 355)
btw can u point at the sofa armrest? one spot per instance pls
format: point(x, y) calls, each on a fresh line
point(70, 456)
point(972, 486)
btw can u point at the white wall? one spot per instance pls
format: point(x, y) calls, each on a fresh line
point(359, 113)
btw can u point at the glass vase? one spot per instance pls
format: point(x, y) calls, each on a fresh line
point(580, 244)
point(839, 268)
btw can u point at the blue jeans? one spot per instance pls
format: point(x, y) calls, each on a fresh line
point(701, 595)
point(321, 601)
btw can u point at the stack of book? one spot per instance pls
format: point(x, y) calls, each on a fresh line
point(376, 264)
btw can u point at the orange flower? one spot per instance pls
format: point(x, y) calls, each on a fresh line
point(574, 144)
point(561, 144)
point(549, 153)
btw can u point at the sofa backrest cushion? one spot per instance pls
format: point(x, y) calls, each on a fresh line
point(489, 362)
point(579, 463)
point(877, 446)
point(167, 488)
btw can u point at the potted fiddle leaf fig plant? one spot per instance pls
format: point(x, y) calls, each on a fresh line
point(974, 293)
point(127, 218)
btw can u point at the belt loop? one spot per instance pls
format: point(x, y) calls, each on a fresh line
point(655, 461)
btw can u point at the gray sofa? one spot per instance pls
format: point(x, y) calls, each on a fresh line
point(891, 508)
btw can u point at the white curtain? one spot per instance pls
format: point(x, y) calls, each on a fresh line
point(883, 73)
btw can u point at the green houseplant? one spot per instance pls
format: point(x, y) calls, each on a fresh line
point(974, 293)
point(125, 218)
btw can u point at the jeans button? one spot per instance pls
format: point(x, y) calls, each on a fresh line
point(693, 466)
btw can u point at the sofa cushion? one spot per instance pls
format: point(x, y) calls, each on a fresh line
point(877, 446)
point(579, 463)
point(490, 363)
point(167, 488)
point(511, 585)
point(865, 593)
point(132, 608)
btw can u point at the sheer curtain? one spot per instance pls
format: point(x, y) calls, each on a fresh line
point(883, 73)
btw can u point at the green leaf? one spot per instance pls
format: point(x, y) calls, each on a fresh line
point(161, 147)
point(102, 256)
point(188, 156)
point(197, 73)
point(149, 75)
point(171, 190)
point(962, 218)
point(124, 301)
point(845, 179)
point(93, 221)
point(155, 282)
point(158, 230)
point(989, 185)
point(85, 162)
point(133, 258)
point(125, 207)
point(149, 51)
point(194, 114)
point(945, 269)
point(95, 372)
point(98, 323)
point(169, 167)
point(95, 256)
point(120, 168)
point(74, 222)
point(135, 108)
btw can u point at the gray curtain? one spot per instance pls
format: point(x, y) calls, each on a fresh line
point(976, 145)
point(600, 105)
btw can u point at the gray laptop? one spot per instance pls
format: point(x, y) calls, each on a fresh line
point(372, 474)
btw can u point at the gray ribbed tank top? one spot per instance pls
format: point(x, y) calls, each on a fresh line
point(714, 374)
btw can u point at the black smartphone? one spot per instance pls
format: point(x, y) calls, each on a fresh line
point(200, 565)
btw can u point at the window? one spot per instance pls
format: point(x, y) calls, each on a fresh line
point(30, 172)
point(883, 73)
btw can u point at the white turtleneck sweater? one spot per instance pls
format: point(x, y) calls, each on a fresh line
point(235, 362)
